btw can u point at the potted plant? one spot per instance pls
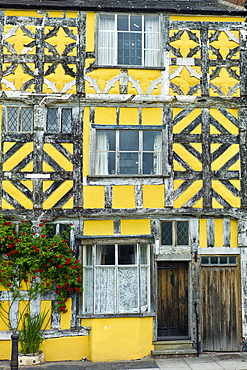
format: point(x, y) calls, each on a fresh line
point(33, 260)
point(31, 337)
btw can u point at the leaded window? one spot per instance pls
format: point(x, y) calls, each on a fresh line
point(116, 278)
point(174, 233)
point(19, 119)
point(59, 120)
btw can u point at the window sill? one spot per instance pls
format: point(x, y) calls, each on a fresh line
point(99, 316)
point(162, 68)
point(126, 176)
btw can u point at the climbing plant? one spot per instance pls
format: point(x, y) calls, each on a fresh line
point(33, 261)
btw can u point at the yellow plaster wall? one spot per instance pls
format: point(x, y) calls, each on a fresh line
point(66, 348)
point(218, 233)
point(123, 196)
point(94, 196)
point(86, 139)
point(135, 227)
point(105, 115)
point(5, 349)
point(116, 339)
point(129, 116)
point(105, 227)
point(153, 196)
point(90, 23)
point(152, 116)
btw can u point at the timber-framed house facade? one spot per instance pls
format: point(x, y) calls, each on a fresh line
point(128, 119)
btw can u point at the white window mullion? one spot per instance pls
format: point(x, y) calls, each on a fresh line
point(143, 42)
point(116, 42)
point(139, 275)
point(117, 153)
point(140, 153)
point(116, 271)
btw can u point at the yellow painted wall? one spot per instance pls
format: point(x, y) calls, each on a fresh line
point(5, 349)
point(94, 196)
point(123, 196)
point(105, 227)
point(116, 339)
point(135, 227)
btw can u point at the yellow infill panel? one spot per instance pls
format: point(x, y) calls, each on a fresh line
point(151, 116)
point(135, 227)
point(224, 121)
point(190, 159)
point(4, 322)
point(16, 194)
point(58, 157)
point(218, 233)
point(187, 194)
point(226, 194)
point(94, 196)
point(86, 141)
point(123, 196)
point(61, 191)
point(18, 156)
point(90, 19)
point(104, 227)
point(203, 233)
point(129, 116)
point(105, 115)
point(66, 317)
point(224, 157)
point(153, 196)
point(46, 306)
point(234, 233)
point(184, 122)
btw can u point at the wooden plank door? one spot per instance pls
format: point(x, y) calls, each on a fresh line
point(220, 308)
point(172, 300)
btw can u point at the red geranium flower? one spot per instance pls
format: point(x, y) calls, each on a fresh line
point(42, 236)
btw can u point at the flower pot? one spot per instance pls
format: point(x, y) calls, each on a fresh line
point(31, 359)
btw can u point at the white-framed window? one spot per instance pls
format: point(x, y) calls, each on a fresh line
point(116, 278)
point(175, 233)
point(129, 39)
point(19, 119)
point(59, 120)
point(128, 152)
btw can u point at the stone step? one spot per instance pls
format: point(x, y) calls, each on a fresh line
point(173, 344)
point(173, 353)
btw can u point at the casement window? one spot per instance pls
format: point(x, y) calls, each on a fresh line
point(128, 152)
point(116, 278)
point(19, 119)
point(59, 120)
point(218, 260)
point(175, 233)
point(129, 40)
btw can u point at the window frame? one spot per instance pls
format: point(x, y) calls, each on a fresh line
point(174, 234)
point(141, 151)
point(19, 119)
point(115, 63)
point(95, 267)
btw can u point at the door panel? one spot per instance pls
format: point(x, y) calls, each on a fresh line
point(172, 299)
point(220, 308)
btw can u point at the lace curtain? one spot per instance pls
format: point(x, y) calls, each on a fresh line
point(102, 148)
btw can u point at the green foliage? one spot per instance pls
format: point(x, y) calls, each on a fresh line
point(32, 262)
point(30, 335)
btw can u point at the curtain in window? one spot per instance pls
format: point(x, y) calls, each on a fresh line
point(106, 40)
point(158, 152)
point(102, 148)
point(105, 290)
point(151, 54)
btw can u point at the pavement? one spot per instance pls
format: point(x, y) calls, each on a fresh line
point(206, 361)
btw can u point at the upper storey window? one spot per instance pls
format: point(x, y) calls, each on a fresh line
point(129, 40)
point(19, 119)
point(59, 120)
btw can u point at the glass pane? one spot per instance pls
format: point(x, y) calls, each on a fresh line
point(52, 120)
point(105, 162)
point(223, 260)
point(205, 260)
point(129, 140)
point(128, 164)
point(89, 255)
point(127, 254)
point(106, 22)
point(148, 164)
point(64, 230)
point(12, 119)
point(143, 254)
point(67, 120)
point(105, 290)
point(105, 254)
point(148, 140)
point(166, 233)
point(151, 23)
point(128, 289)
point(88, 290)
point(214, 260)
point(26, 119)
point(183, 233)
point(122, 23)
point(232, 260)
point(129, 48)
point(144, 289)
point(135, 23)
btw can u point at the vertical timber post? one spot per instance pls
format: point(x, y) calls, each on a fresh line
point(14, 353)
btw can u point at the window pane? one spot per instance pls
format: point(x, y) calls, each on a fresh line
point(135, 23)
point(214, 260)
point(223, 260)
point(143, 254)
point(128, 289)
point(26, 119)
point(122, 23)
point(182, 233)
point(66, 120)
point(89, 255)
point(149, 139)
point(129, 48)
point(105, 160)
point(52, 120)
point(64, 230)
point(105, 254)
point(144, 289)
point(105, 290)
point(129, 140)
point(166, 233)
point(126, 254)
point(148, 164)
point(205, 260)
point(12, 119)
point(232, 260)
point(128, 164)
